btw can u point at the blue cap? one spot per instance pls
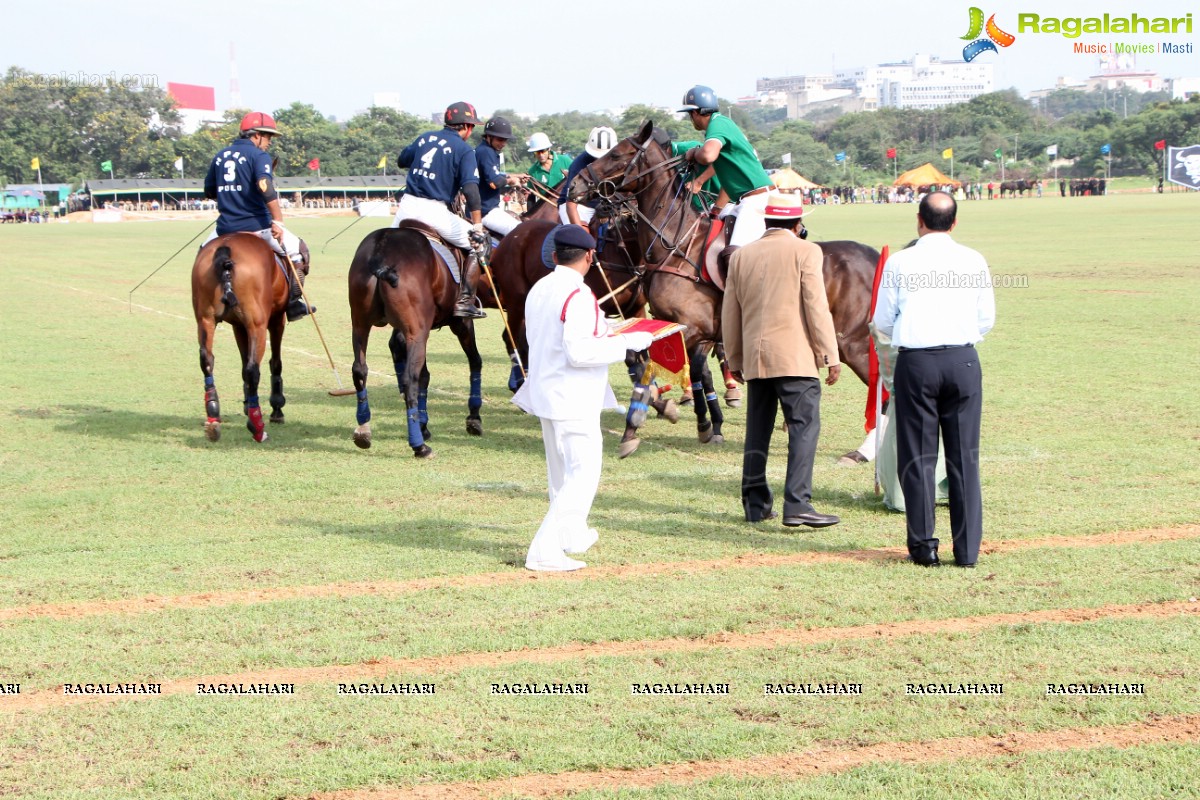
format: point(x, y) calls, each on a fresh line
point(574, 236)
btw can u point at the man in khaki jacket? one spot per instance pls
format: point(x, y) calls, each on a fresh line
point(778, 335)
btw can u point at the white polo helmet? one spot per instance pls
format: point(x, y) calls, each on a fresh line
point(539, 141)
point(600, 141)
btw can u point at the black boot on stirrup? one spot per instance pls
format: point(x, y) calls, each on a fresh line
point(466, 305)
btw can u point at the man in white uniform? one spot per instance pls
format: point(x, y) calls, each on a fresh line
point(570, 350)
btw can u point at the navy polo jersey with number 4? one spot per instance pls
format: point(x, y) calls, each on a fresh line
point(439, 164)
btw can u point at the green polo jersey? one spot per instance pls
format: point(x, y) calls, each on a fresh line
point(737, 166)
point(558, 170)
point(711, 187)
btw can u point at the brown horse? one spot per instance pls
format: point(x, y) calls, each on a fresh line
point(640, 171)
point(237, 279)
point(397, 279)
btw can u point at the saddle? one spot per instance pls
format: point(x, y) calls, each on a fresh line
point(715, 255)
point(454, 257)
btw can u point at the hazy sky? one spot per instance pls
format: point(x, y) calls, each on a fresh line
point(538, 56)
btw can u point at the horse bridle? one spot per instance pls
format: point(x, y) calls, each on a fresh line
point(617, 195)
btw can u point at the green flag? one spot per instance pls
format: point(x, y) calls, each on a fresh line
point(106, 166)
point(999, 153)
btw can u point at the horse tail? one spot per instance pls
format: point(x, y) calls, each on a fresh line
point(223, 266)
point(375, 265)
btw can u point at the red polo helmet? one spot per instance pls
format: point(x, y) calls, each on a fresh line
point(258, 122)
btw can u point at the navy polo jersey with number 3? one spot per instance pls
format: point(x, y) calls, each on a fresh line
point(234, 178)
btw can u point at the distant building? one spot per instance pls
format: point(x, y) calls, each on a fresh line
point(1121, 72)
point(387, 100)
point(924, 82)
point(1184, 88)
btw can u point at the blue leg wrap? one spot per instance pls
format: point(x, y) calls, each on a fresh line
point(697, 387)
point(423, 405)
point(252, 402)
point(514, 378)
point(636, 417)
point(209, 382)
point(364, 408)
point(415, 437)
point(476, 400)
point(711, 397)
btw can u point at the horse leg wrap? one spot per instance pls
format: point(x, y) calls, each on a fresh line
point(423, 405)
point(254, 422)
point(277, 398)
point(212, 403)
point(515, 378)
point(475, 401)
point(638, 406)
point(415, 437)
point(364, 408)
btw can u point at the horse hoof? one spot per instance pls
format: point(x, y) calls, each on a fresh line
point(733, 397)
point(260, 437)
point(705, 435)
point(852, 459)
point(212, 429)
point(424, 451)
point(670, 411)
point(716, 439)
point(277, 419)
point(362, 436)
point(475, 427)
point(628, 448)
point(686, 400)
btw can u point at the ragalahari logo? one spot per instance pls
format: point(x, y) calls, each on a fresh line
point(995, 36)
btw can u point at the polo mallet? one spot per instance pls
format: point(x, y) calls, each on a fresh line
point(168, 261)
point(618, 290)
point(611, 293)
point(483, 262)
point(339, 233)
point(341, 391)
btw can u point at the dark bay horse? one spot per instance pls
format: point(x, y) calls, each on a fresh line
point(641, 171)
point(237, 279)
point(519, 262)
point(397, 279)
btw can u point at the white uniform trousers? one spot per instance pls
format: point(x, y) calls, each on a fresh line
point(574, 455)
point(500, 222)
point(751, 222)
point(453, 228)
point(291, 242)
point(585, 214)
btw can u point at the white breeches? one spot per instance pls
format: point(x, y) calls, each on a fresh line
point(291, 242)
point(453, 228)
point(500, 222)
point(751, 224)
point(574, 453)
point(585, 214)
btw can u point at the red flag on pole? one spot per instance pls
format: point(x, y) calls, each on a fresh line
point(1161, 144)
point(314, 164)
point(891, 153)
point(873, 368)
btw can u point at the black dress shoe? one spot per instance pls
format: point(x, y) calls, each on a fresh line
point(812, 519)
point(765, 517)
point(926, 561)
point(964, 566)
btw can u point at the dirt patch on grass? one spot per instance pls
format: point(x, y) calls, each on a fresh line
point(809, 763)
point(153, 603)
point(781, 637)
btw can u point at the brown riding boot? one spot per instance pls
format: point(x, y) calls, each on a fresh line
point(466, 305)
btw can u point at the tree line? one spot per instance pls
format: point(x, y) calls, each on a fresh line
point(72, 129)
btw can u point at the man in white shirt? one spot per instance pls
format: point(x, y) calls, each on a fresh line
point(935, 302)
point(570, 350)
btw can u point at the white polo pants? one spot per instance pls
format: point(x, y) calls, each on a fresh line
point(574, 454)
point(291, 242)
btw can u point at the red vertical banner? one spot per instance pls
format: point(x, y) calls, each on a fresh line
point(873, 369)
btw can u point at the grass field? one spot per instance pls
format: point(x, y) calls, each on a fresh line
point(135, 551)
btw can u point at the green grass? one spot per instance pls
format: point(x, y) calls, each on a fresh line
point(113, 492)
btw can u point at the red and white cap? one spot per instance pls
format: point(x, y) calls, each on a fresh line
point(784, 205)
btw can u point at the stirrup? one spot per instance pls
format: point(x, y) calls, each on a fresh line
point(297, 309)
point(467, 307)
